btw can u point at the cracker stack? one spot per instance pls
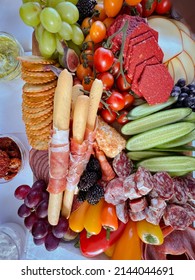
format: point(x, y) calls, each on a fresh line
point(37, 99)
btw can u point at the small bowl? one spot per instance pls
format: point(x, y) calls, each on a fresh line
point(10, 49)
point(20, 157)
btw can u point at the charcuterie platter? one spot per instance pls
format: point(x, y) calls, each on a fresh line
point(108, 104)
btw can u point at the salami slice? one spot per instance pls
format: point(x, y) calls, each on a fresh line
point(144, 180)
point(139, 204)
point(130, 188)
point(122, 212)
point(114, 192)
point(180, 191)
point(122, 165)
point(137, 216)
point(163, 186)
point(190, 187)
point(177, 217)
point(155, 210)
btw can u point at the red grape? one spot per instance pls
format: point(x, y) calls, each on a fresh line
point(60, 229)
point(24, 211)
point(30, 220)
point(39, 185)
point(39, 229)
point(39, 241)
point(22, 191)
point(33, 198)
point(51, 242)
point(42, 209)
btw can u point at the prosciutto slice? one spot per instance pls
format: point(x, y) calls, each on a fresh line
point(58, 161)
point(178, 242)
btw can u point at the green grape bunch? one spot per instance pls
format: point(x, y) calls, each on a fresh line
point(53, 21)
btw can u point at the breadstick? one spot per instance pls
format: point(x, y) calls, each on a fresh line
point(94, 100)
point(76, 91)
point(61, 121)
point(79, 127)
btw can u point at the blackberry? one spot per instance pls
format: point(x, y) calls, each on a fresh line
point(87, 180)
point(94, 165)
point(94, 194)
point(81, 196)
point(86, 8)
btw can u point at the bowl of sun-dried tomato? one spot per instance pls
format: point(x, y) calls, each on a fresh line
point(12, 157)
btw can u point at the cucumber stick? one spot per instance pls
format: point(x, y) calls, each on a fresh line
point(140, 155)
point(158, 136)
point(180, 141)
point(171, 164)
point(155, 120)
point(146, 109)
point(190, 118)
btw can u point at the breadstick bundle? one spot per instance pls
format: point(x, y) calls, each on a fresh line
point(59, 145)
point(84, 120)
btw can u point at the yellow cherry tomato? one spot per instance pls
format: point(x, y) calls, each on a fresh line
point(112, 7)
point(132, 2)
point(149, 233)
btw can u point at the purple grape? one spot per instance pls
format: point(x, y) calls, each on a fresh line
point(39, 229)
point(39, 241)
point(42, 209)
point(51, 242)
point(22, 191)
point(45, 196)
point(30, 220)
point(39, 185)
point(60, 229)
point(33, 198)
point(24, 211)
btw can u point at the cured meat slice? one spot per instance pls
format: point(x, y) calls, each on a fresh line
point(190, 208)
point(141, 33)
point(190, 187)
point(137, 216)
point(180, 191)
point(39, 163)
point(130, 188)
point(155, 211)
point(177, 217)
point(163, 186)
point(138, 72)
point(151, 86)
point(177, 243)
point(122, 165)
point(144, 180)
point(143, 51)
point(122, 212)
point(138, 205)
point(114, 192)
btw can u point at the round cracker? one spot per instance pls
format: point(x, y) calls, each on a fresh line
point(43, 74)
point(36, 115)
point(37, 100)
point(28, 87)
point(44, 123)
point(35, 59)
point(43, 131)
point(38, 144)
point(37, 80)
point(35, 109)
point(30, 121)
point(40, 104)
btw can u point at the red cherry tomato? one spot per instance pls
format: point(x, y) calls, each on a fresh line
point(148, 7)
point(103, 59)
point(129, 99)
point(107, 80)
point(123, 85)
point(163, 7)
point(139, 9)
point(122, 118)
point(115, 67)
point(108, 116)
point(116, 101)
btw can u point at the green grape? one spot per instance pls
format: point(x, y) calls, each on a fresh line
point(73, 1)
point(59, 45)
point(47, 44)
point(50, 20)
point(39, 31)
point(66, 31)
point(53, 3)
point(68, 12)
point(26, 1)
point(30, 13)
point(77, 36)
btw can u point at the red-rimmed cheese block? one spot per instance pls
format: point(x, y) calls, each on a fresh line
point(143, 51)
point(156, 84)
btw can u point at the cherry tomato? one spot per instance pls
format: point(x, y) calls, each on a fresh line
point(86, 24)
point(112, 7)
point(103, 59)
point(101, 13)
point(108, 116)
point(89, 44)
point(108, 21)
point(82, 71)
point(163, 7)
point(139, 9)
point(97, 31)
point(148, 7)
point(86, 58)
point(115, 67)
point(107, 80)
point(132, 2)
point(122, 118)
point(129, 99)
point(123, 84)
point(87, 82)
point(116, 101)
